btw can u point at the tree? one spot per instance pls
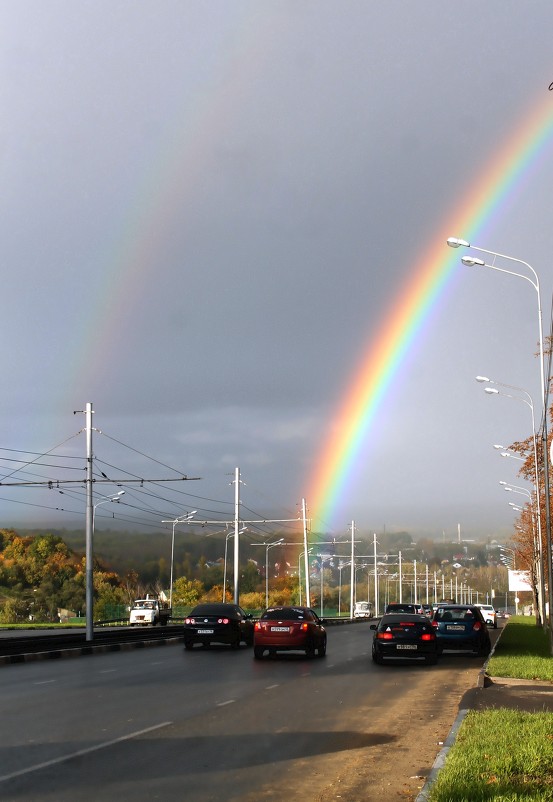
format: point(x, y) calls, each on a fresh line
point(187, 591)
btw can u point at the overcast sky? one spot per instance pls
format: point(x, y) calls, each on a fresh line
point(208, 209)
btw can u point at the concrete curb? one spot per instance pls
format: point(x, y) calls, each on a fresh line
point(442, 755)
point(81, 651)
point(481, 680)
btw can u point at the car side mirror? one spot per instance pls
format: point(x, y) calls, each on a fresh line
point(374, 626)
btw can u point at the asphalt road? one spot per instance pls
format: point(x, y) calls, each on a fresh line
point(218, 725)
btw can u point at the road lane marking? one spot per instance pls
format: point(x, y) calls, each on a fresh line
point(81, 752)
point(228, 702)
point(44, 682)
point(270, 687)
point(108, 670)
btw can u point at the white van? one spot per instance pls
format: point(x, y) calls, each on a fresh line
point(362, 609)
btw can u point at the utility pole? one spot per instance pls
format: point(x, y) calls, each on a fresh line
point(236, 533)
point(306, 549)
point(89, 556)
point(352, 570)
point(375, 578)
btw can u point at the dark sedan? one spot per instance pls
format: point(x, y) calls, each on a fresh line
point(461, 627)
point(404, 636)
point(218, 623)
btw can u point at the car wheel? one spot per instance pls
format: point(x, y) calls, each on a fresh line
point(310, 650)
point(321, 651)
point(188, 645)
point(377, 659)
point(236, 642)
point(258, 652)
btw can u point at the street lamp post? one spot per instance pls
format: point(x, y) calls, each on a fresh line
point(267, 547)
point(116, 497)
point(305, 554)
point(182, 519)
point(455, 242)
point(538, 544)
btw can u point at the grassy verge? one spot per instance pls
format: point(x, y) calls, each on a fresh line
point(500, 754)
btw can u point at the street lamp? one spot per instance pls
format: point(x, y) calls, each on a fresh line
point(182, 519)
point(341, 566)
point(303, 554)
point(455, 242)
point(116, 497)
point(267, 547)
point(538, 544)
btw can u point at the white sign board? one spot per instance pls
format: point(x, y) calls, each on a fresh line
point(519, 580)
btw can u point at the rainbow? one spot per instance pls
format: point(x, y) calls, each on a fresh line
point(479, 209)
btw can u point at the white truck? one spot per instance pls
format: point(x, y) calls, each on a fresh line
point(362, 609)
point(150, 610)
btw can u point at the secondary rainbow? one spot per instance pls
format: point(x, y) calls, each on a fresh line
point(479, 209)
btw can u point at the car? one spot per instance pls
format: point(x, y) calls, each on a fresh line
point(404, 636)
point(362, 609)
point(461, 627)
point(289, 629)
point(403, 607)
point(428, 610)
point(213, 622)
point(489, 613)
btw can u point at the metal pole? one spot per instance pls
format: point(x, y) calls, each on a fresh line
point(400, 583)
point(375, 578)
point(172, 563)
point(352, 569)
point(236, 535)
point(89, 552)
point(306, 547)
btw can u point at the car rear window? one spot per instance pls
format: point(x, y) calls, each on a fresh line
point(455, 614)
point(288, 613)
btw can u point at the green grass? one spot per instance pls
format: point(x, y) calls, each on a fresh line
point(523, 652)
point(500, 754)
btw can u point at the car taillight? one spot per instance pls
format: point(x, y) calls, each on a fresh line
point(428, 636)
point(304, 626)
point(384, 636)
point(222, 621)
point(476, 625)
point(435, 624)
point(189, 621)
point(260, 625)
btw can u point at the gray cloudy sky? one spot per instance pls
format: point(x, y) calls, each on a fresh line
point(209, 209)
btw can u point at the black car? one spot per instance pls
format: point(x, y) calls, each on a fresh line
point(404, 607)
point(218, 623)
point(461, 627)
point(404, 636)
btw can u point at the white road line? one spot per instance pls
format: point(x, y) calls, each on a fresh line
point(270, 687)
point(44, 682)
point(82, 752)
point(228, 702)
point(107, 670)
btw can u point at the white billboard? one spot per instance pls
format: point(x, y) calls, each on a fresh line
point(519, 580)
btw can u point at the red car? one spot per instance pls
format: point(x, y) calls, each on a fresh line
point(289, 629)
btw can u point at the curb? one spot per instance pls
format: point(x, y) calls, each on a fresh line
point(81, 651)
point(481, 681)
point(442, 755)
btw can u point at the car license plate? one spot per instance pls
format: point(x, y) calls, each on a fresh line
point(279, 629)
point(406, 646)
point(205, 632)
point(455, 627)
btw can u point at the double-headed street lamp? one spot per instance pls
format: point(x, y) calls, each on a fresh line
point(470, 261)
point(538, 544)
